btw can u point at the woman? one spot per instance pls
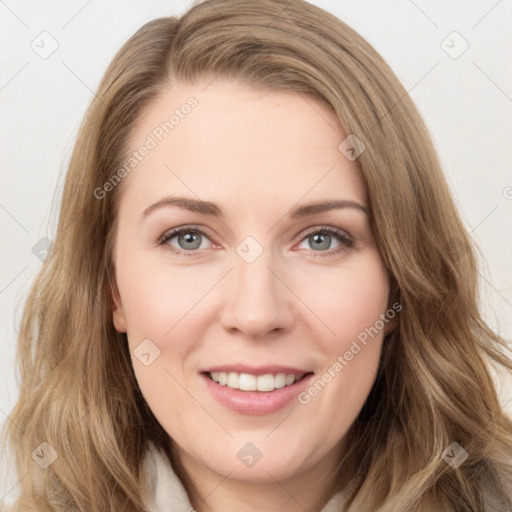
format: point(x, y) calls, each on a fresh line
point(254, 301)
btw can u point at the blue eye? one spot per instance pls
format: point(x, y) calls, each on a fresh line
point(320, 240)
point(191, 239)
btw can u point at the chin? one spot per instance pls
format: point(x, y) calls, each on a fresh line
point(263, 465)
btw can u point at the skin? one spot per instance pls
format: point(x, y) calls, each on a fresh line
point(257, 155)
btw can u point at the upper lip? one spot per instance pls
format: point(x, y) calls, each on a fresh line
point(257, 370)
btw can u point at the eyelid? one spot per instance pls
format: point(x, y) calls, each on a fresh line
point(326, 229)
point(170, 233)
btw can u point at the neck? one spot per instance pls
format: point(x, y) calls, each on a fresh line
point(211, 492)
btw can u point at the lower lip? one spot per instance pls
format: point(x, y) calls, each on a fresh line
point(256, 402)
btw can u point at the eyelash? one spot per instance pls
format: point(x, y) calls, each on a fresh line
point(345, 241)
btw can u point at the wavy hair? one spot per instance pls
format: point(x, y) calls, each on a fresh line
point(434, 387)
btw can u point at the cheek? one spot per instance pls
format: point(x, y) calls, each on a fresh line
point(162, 304)
point(357, 297)
point(156, 296)
point(348, 299)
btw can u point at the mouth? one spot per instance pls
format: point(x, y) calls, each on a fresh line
point(250, 394)
point(264, 383)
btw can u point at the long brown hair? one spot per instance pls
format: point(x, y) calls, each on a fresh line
point(78, 390)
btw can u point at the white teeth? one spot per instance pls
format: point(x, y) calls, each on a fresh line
point(247, 382)
point(280, 380)
point(290, 379)
point(232, 380)
point(266, 383)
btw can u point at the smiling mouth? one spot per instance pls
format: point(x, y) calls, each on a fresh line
point(248, 382)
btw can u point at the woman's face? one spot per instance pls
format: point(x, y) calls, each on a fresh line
point(260, 290)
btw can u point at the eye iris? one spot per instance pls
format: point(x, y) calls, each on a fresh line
point(325, 241)
point(189, 237)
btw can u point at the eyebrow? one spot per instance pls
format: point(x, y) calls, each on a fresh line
point(209, 208)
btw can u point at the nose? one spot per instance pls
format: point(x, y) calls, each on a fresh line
point(257, 302)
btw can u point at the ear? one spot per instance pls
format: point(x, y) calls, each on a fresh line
point(116, 306)
point(392, 322)
point(391, 325)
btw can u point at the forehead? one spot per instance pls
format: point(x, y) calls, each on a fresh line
point(225, 139)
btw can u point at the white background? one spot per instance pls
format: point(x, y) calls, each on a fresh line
point(465, 101)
